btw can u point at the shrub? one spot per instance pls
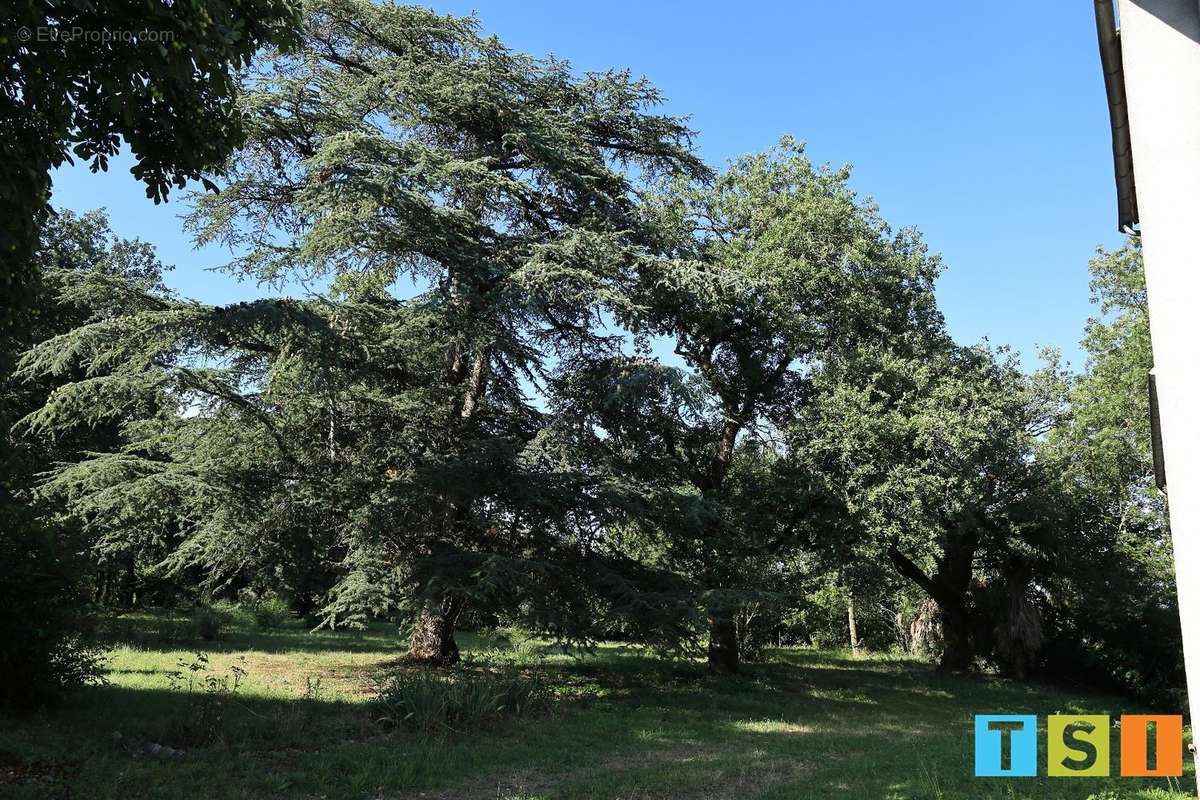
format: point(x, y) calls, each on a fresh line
point(430, 703)
point(208, 623)
point(172, 631)
point(272, 612)
point(45, 649)
point(523, 645)
point(232, 613)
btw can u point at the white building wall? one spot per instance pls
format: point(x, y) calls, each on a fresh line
point(1160, 42)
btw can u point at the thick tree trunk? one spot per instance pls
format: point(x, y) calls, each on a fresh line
point(948, 587)
point(1017, 633)
point(433, 634)
point(953, 581)
point(723, 655)
point(958, 652)
point(853, 622)
point(718, 468)
point(722, 644)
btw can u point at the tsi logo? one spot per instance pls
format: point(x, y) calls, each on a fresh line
point(1077, 745)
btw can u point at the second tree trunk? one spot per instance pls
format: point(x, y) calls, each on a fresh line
point(722, 644)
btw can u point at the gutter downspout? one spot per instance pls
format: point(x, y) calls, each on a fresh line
point(1109, 38)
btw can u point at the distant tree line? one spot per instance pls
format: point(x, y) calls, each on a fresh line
point(561, 374)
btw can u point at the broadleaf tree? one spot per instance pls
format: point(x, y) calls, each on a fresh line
point(764, 272)
point(932, 452)
point(81, 79)
point(1115, 618)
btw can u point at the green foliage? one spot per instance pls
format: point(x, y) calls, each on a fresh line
point(47, 651)
point(208, 696)
point(164, 85)
point(272, 612)
point(167, 91)
point(398, 434)
point(45, 596)
point(208, 623)
point(233, 613)
point(931, 454)
point(1116, 618)
point(158, 76)
point(761, 274)
point(523, 645)
point(503, 443)
point(434, 704)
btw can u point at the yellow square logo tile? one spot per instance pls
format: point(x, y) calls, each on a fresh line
point(1077, 745)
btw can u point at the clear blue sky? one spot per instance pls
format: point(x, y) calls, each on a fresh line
point(982, 124)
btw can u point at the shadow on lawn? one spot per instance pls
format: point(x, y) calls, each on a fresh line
point(152, 714)
point(977, 692)
point(803, 725)
point(829, 679)
point(163, 631)
point(108, 736)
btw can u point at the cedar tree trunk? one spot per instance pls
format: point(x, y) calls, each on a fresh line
point(723, 654)
point(722, 643)
point(433, 634)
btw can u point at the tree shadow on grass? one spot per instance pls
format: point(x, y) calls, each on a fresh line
point(151, 634)
point(797, 727)
point(976, 692)
point(802, 720)
point(273, 747)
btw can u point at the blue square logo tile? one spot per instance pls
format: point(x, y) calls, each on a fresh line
point(1005, 745)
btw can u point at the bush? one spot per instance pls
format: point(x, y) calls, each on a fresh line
point(523, 645)
point(430, 704)
point(232, 613)
point(44, 629)
point(208, 623)
point(271, 613)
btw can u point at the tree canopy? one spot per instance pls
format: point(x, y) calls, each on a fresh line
point(544, 367)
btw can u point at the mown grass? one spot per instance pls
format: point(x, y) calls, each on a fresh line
point(620, 723)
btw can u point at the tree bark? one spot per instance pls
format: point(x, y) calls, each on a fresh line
point(433, 634)
point(719, 466)
point(723, 651)
point(958, 653)
point(953, 580)
point(722, 644)
point(853, 623)
point(949, 588)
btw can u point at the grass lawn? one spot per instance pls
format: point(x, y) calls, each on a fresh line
point(620, 724)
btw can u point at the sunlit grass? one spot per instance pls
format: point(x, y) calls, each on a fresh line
point(621, 724)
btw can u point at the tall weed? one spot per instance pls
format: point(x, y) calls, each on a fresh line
point(431, 703)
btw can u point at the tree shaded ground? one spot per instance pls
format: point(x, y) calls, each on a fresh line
point(620, 724)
